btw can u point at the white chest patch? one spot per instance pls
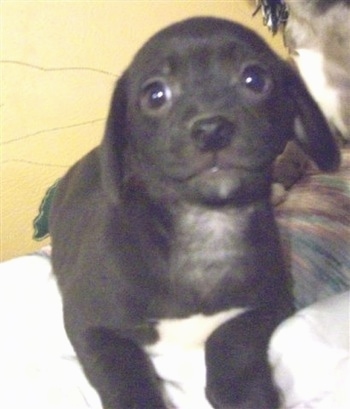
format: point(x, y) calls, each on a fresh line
point(179, 357)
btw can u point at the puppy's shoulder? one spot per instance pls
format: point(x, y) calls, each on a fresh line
point(79, 198)
point(80, 183)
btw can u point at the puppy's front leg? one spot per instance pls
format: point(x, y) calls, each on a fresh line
point(120, 371)
point(238, 373)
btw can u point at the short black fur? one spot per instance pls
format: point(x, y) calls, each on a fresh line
point(153, 224)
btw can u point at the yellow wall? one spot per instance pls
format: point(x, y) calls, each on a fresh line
point(59, 61)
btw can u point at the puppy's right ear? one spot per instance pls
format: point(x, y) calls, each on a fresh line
point(114, 142)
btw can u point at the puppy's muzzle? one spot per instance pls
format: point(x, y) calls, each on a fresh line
point(213, 134)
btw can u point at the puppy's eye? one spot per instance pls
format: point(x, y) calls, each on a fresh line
point(155, 95)
point(256, 79)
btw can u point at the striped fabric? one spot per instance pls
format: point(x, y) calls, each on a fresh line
point(315, 227)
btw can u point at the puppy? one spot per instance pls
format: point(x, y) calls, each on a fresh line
point(165, 246)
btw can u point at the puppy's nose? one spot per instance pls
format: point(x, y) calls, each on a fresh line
point(213, 134)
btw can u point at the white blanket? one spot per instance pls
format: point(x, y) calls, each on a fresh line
point(39, 369)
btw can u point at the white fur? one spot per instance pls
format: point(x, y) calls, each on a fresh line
point(311, 67)
point(179, 357)
point(213, 231)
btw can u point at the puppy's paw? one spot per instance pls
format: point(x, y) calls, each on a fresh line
point(290, 166)
point(258, 394)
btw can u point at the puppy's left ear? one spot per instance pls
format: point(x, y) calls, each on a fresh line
point(311, 128)
point(114, 142)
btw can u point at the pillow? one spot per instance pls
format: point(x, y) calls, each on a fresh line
point(315, 226)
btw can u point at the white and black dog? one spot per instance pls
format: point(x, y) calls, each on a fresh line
point(317, 33)
point(165, 246)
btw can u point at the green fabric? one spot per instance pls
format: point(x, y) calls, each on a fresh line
point(41, 222)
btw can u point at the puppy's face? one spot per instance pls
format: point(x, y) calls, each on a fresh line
point(206, 113)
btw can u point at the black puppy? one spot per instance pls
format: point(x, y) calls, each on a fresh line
point(164, 241)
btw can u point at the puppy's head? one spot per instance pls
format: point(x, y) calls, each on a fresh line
point(201, 114)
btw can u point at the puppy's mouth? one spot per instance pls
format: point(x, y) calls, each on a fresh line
point(215, 166)
point(218, 180)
